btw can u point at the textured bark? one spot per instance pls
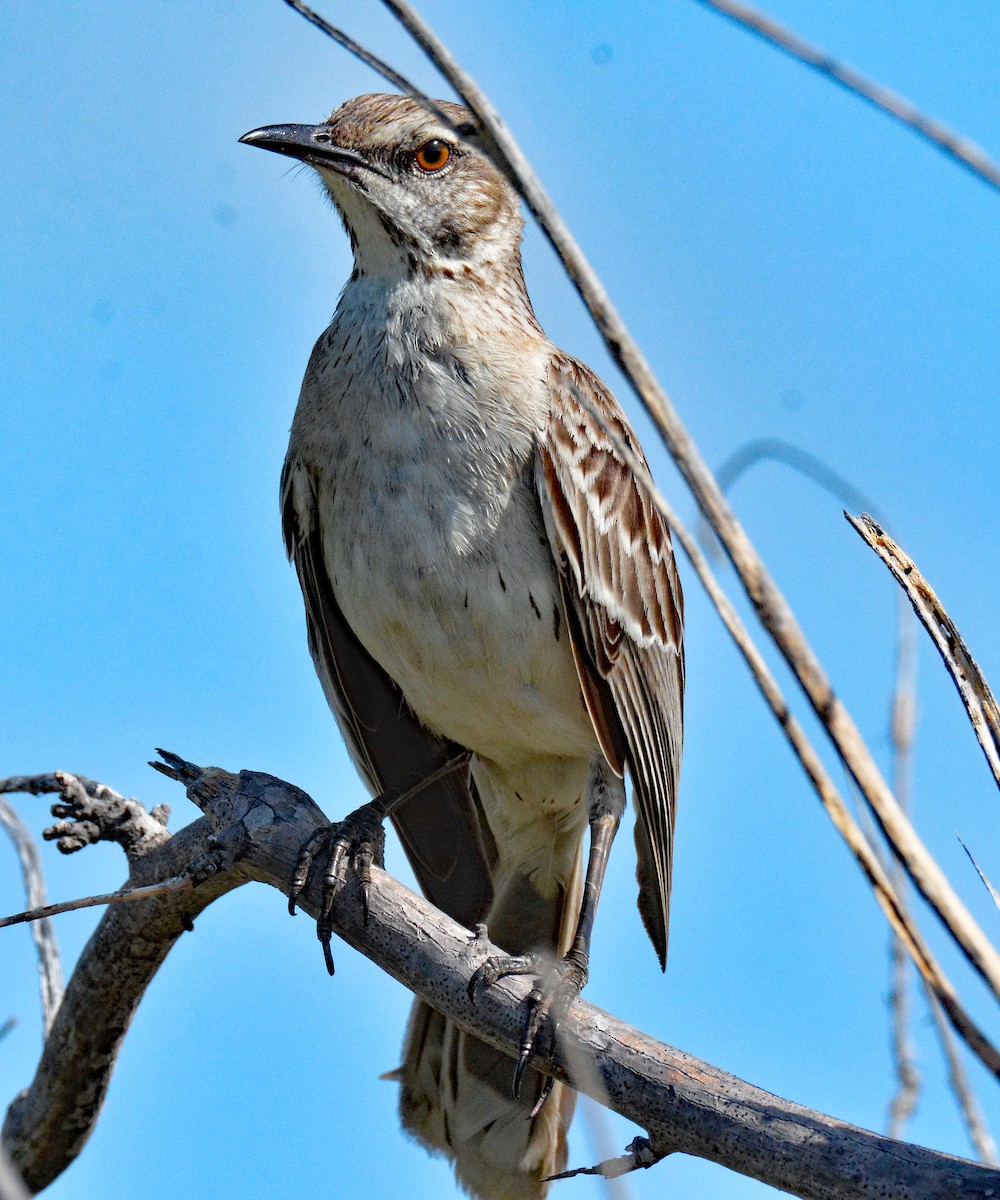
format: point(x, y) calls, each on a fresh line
point(253, 828)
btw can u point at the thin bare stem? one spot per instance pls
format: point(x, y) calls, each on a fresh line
point(179, 884)
point(388, 73)
point(964, 151)
point(979, 871)
point(975, 1122)
point(977, 697)
point(903, 726)
point(42, 933)
point(902, 720)
point(770, 605)
point(886, 895)
point(639, 1155)
point(760, 450)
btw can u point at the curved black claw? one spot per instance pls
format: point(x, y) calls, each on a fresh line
point(548, 1003)
point(557, 985)
point(360, 839)
point(498, 966)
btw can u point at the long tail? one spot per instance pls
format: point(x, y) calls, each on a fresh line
point(456, 1091)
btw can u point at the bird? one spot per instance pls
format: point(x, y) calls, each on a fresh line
point(492, 604)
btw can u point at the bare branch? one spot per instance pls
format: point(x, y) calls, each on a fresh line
point(259, 823)
point(903, 721)
point(962, 149)
point(759, 450)
point(903, 726)
point(178, 884)
point(379, 65)
point(977, 697)
point(43, 935)
point(639, 1155)
point(886, 894)
point(979, 871)
point(975, 1123)
point(92, 812)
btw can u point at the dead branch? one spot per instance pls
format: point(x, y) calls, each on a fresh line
point(961, 149)
point(180, 883)
point(903, 722)
point(42, 933)
point(253, 827)
point(886, 890)
point(979, 701)
point(902, 727)
point(975, 1122)
point(982, 875)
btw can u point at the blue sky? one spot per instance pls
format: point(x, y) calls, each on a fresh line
point(793, 264)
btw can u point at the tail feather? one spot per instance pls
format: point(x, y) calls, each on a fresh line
point(456, 1091)
point(456, 1100)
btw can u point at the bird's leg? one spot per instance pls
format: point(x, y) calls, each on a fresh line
point(360, 839)
point(558, 985)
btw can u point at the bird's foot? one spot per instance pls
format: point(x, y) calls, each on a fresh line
point(557, 985)
point(358, 839)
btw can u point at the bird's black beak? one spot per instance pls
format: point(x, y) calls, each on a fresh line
point(311, 144)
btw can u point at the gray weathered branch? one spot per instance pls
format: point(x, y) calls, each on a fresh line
point(962, 149)
point(252, 830)
point(42, 933)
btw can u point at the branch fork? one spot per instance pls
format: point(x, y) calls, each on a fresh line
point(253, 828)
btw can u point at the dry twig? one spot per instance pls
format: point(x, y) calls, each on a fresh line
point(639, 1156)
point(888, 899)
point(977, 697)
point(178, 884)
point(979, 871)
point(961, 149)
point(975, 1122)
point(42, 933)
point(903, 720)
point(903, 725)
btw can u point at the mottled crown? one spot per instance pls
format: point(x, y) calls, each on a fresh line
point(465, 210)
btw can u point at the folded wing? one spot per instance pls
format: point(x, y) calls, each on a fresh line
point(440, 827)
point(625, 610)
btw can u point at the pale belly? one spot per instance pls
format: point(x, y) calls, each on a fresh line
point(469, 624)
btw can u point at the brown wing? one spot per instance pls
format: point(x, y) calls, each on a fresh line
point(440, 827)
point(625, 609)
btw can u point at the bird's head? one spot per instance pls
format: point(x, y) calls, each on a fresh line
point(413, 191)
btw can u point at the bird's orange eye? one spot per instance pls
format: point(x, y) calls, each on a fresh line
point(433, 155)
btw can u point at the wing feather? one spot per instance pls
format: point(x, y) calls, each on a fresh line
point(441, 828)
point(626, 612)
